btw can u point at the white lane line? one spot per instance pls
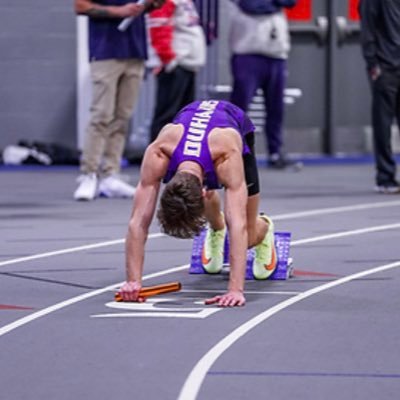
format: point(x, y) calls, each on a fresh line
point(199, 315)
point(279, 217)
point(41, 313)
point(196, 377)
point(70, 250)
point(345, 233)
point(334, 210)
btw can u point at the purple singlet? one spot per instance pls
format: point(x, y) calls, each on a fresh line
point(198, 119)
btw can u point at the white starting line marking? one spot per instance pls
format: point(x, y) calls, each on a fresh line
point(196, 377)
point(157, 314)
point(158, 307)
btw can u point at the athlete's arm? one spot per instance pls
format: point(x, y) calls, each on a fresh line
point(231, 174)
point(153, 168)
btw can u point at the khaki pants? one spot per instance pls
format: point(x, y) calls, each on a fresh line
point(116, 85)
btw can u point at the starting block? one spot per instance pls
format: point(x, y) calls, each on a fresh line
point(284, 268)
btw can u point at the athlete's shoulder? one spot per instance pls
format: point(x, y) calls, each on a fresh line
point(169, 133)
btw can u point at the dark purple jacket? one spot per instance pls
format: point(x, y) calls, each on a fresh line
point(107, 42)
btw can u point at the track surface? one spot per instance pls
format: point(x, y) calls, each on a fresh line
point(330, 332)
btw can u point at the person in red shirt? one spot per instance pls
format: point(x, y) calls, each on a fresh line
point(179, 45)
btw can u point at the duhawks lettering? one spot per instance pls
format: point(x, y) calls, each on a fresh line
point(197, 128)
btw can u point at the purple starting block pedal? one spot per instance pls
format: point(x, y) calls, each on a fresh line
point(283, 270)
point(284, 267)
point(196, 266)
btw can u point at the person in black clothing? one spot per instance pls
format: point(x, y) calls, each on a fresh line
point(380, 40)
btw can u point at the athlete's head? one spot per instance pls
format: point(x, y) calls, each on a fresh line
point(181, 212)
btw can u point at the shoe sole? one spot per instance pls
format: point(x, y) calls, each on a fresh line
point(83, 198)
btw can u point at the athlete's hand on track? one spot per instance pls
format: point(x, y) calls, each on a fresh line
point(232, 298)
point(130, 292)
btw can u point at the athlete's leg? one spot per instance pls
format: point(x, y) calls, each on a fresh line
point(256, 227)
point(212, 204)
point(260, 228)
point(212, 256)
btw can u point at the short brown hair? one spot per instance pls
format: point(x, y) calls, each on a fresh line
point(181, 212)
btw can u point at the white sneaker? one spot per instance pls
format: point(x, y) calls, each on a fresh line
point(87, 188)
point(114, 186)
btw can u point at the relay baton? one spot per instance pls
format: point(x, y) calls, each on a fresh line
point(123, 26)
point(154, 290)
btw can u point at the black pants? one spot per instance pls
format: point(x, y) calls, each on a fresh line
point(175, 90)
point(385, 108)
point(250, 167)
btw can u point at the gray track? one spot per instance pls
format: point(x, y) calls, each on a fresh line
point(339, 342)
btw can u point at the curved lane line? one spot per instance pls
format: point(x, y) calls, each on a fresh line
point(196, 377)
